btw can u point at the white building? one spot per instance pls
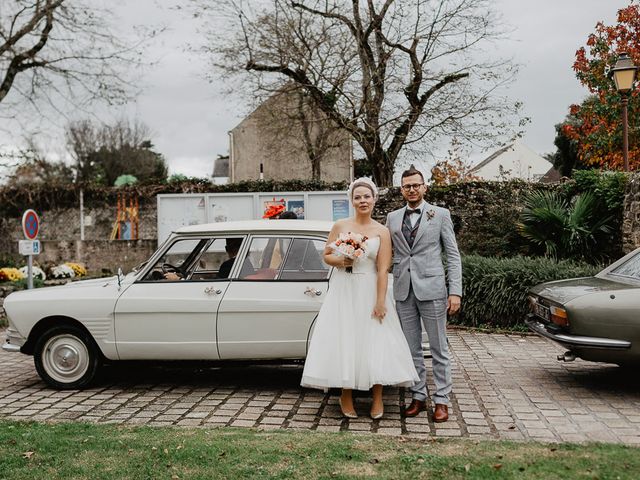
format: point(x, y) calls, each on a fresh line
point(513, 161)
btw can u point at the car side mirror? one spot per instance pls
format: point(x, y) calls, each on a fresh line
point(119, 277)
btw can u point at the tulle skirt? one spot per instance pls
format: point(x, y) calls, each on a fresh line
point(349, 347)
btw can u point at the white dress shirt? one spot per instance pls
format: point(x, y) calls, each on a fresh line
point(413, 218)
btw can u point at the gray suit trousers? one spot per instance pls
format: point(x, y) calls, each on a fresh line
point(432, 314)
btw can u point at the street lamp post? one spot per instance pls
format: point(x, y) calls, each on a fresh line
point(624, 74)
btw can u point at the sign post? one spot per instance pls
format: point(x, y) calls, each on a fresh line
point(30, 246)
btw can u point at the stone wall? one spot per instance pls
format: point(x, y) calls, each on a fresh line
point(60, 239)
point(64, 224)
point(100, 257)
point(484, 214)
point(631, 215)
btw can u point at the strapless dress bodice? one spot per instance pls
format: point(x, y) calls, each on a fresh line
point(367, 263)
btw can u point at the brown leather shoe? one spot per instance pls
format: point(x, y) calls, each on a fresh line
point(441, 413)
point(415, 407)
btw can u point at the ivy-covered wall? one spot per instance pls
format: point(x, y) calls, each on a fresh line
point(485, 214)
point(631, 215)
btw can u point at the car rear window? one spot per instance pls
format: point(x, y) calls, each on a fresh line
point(630, 268)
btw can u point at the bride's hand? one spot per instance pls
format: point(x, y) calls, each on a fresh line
point(347, 262)
point(379, 311)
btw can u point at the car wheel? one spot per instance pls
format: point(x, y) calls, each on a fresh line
point(66, 357)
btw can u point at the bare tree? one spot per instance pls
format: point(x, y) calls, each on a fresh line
point(104, 152)
point(392, 73)
point(35, 166)
point(291, 121)
point(9, 159)
point(63, 52)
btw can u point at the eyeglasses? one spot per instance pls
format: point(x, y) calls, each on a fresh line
point(413, 186)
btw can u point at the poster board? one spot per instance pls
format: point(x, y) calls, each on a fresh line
point(178, 210)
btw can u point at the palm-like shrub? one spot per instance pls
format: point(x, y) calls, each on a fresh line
point(564, 228)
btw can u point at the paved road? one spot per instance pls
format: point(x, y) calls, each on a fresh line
point(505, 386)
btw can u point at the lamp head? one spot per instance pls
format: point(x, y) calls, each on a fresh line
point(624, 73)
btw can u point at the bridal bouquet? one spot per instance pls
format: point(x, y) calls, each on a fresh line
point(350, 245)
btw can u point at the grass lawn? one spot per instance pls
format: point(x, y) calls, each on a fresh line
point(85, 451)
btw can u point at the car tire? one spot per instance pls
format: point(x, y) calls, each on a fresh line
point(66, 357)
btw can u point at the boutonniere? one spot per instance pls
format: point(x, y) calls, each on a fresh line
point(430, 214)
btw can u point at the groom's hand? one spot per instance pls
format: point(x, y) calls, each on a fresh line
point(453, 304)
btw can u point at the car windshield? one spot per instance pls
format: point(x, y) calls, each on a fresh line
point(630, 268)
point(140, 267)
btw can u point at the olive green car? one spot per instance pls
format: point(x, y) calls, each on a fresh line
point(595, 318)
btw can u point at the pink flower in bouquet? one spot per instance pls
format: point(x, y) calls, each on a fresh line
point(351, 245)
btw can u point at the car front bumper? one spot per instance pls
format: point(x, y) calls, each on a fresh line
point(566, 339)
point(14, 341)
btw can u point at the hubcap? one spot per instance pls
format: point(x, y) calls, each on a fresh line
point(65, 358)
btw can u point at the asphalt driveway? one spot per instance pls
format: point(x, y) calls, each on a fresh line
point(505, 387)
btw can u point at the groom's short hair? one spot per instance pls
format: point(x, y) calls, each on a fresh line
point(412, 171)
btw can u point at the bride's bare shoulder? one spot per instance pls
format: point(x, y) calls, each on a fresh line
point(379, 228)
point(345, 222)
point(342, 225)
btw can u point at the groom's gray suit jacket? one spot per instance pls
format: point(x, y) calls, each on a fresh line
point(420, 266)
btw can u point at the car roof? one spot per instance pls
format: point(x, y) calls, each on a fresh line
point(288, 226)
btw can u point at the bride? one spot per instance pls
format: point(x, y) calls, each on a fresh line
point(357, 341)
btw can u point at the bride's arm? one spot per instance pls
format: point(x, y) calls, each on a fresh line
point(330, 258)
point(383, 264)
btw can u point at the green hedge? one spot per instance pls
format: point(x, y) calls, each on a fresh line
point(495, 289)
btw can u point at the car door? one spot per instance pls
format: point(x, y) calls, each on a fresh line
point(269, 313)
point(157, 318)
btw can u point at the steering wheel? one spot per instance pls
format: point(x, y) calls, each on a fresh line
point(167, 267)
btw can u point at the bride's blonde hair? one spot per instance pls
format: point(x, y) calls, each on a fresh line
point(363, 182)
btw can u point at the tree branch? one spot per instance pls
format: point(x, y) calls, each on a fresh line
point(19, 64)
point(401, 133)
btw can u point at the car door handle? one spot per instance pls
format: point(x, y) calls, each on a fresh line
point(211, 290)
point(312, 291)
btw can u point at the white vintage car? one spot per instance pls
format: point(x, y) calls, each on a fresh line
point(237, 290)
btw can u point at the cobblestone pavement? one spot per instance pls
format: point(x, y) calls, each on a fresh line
point(505, 387)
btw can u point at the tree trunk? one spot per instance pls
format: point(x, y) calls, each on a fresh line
point(380, 160)
point(381, 168)
point(315, 167)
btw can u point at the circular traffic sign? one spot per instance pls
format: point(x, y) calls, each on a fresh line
point(30, 224)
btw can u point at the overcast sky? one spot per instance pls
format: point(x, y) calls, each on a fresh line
point(190, 117)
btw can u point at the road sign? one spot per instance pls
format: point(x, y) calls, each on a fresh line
point(30, 224)
point(29, 247)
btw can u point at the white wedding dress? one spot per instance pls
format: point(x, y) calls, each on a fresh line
point(349, 347)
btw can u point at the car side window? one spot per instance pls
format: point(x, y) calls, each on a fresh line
point(305, 261)
point(177, 262)
point(266, 256)
point(217, 260)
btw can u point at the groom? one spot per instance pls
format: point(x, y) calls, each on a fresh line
point(420, 232)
